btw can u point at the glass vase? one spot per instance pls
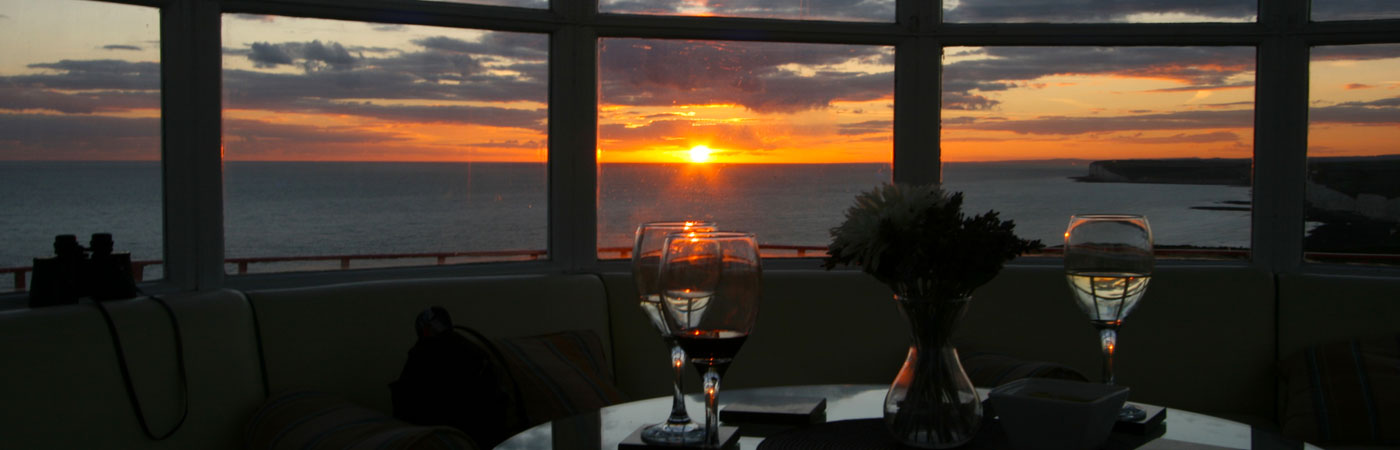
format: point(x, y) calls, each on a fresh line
point(932, 403)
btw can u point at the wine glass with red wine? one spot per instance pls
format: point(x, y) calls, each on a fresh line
point(678, 429)
point(710, 284)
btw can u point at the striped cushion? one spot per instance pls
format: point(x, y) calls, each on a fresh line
point(313, 420)
point(992, 370)
point(1343, 393)
point(560, 374)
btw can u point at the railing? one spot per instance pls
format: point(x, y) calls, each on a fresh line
point(769, 250)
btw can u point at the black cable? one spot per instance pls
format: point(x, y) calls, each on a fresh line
point(126, 372)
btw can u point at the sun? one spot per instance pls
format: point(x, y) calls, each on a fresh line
point(700, 154)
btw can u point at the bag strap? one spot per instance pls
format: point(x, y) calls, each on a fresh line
point(496, 354)
point(126, 372)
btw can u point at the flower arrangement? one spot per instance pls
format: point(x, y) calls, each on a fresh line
point(916, 239)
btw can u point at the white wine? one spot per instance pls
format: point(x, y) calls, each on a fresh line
point(1107, 297)
point(651, 305)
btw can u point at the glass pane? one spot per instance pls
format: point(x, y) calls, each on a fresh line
point(1353, 190)
point(773, 138)
point(1355, 9)
point(1040, 133)
point(848, 10)
point(1098, 11)
point(365, 145)
point(79, 131)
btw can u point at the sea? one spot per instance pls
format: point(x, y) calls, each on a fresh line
point(274, 209)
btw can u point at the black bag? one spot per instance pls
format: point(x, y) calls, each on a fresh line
point(454, 376)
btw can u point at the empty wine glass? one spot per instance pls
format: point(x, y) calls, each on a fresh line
point(1108, 263)
point(646, 260)
point(709, 284)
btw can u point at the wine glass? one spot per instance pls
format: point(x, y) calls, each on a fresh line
point(1108, 263)
point(709, 284)
point(678, 429)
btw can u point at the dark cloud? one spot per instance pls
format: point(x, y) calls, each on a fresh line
point(867, 127)
point(1379, 112)
point(509, 144)
point(239, 134)
point(444, 69)
point(266, 55)
point(1062, 125)
point(1355, 9)
point(873, 10)
point(87, 102)
point(719, 136)
point(966, 82)
point(1355, 52)
point(120, 47)
point(495, 45)
point(1182, 138)
point(1089, 11)
point(762, 77)
point(102, 74)
point(52, 136)
point(530, 119)
point(311, 56)
point(967, 102)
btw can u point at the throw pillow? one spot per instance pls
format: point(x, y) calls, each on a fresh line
point(560, 374)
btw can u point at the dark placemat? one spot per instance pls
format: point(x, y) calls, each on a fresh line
point(870, 434)
point(863, 434)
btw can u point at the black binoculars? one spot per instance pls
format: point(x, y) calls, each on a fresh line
point(75, 272)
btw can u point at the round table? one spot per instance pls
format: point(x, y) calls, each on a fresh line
point(605, 428)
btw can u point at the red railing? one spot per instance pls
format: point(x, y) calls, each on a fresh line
point(768, 250)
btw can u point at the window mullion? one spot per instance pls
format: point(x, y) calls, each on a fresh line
point(1280, 137)
point(190, 159)
point(917, 107)
point(573, 136)
point(918, 93)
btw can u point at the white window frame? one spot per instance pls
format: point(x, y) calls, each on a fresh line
point(191, 70)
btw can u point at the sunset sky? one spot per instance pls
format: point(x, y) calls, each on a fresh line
point(80, 80)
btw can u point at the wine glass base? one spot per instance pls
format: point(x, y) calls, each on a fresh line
point(667, 433)
point(1131, 413)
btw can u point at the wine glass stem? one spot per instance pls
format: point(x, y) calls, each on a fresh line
point(1108, 342)
point(678, 414)
point(711, 407)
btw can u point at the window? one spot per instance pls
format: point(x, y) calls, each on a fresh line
point(418, 132)
point(80, 143)
point(1041, 133)
point(1086, 11)
point(367, 145)
point(773, 138)
point(1353, 186)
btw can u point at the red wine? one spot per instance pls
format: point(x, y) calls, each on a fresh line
point(707, 348)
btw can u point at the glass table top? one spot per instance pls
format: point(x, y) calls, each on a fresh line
point(607, 427)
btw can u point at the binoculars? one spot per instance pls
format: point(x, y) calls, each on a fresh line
point(75, 272)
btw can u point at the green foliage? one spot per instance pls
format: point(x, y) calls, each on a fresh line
point(917, 240)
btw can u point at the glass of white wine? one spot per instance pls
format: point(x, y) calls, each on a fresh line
point(678, 429)
point(1108, 263)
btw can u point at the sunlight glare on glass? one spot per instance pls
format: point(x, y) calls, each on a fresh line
point(701, 154)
